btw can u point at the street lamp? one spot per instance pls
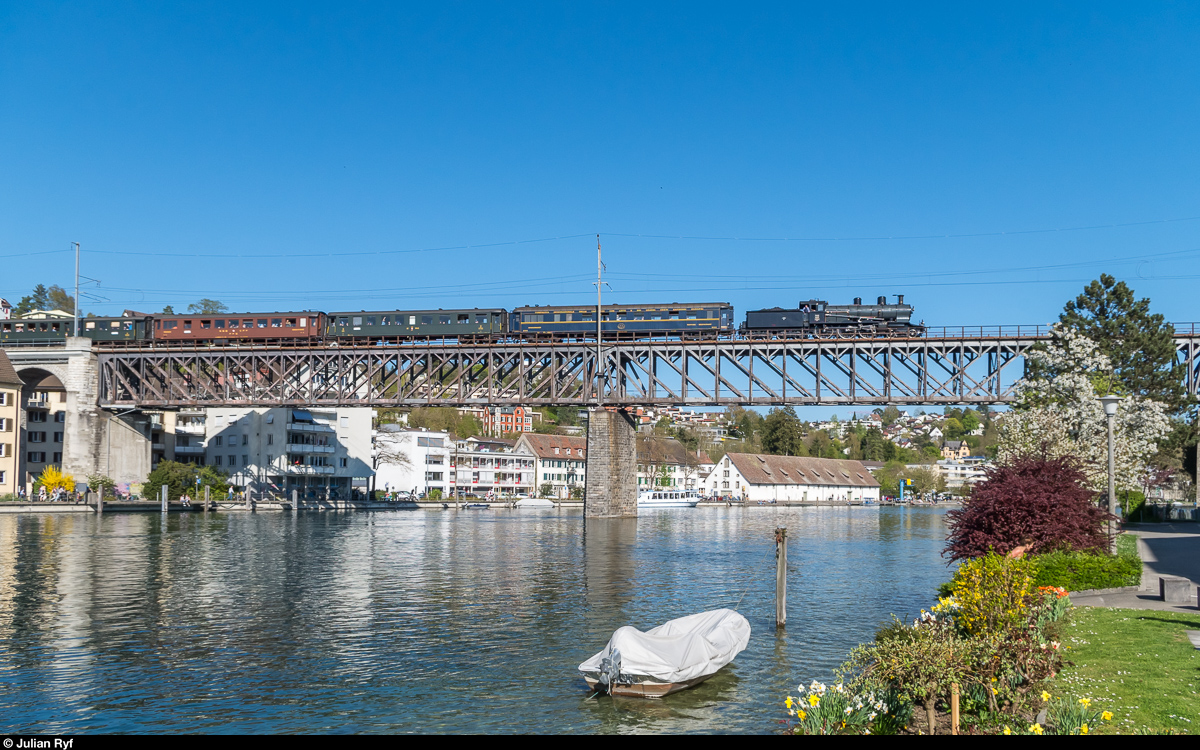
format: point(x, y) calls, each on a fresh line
point(1110, 412)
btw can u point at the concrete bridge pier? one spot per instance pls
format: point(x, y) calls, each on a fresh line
point(610, 490)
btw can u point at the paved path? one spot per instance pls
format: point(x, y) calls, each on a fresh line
point(1167, 549)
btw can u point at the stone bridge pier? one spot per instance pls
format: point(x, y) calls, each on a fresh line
point(95, 441)
point(610, 490)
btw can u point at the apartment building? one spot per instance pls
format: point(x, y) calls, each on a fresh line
point(412, 460)
point(483, 465)
point(10, 412)
point(666, 462)
point(40, 442)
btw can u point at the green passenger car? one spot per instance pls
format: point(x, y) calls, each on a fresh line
point(424, 324)
point(56, 330)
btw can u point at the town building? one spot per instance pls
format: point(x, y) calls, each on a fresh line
point(666, 462)
point(40, 440)
point(962, 472)
point(10, 415)
point(506, 420)
point(318, 453)
point(480, 466)
point(561, 463)
point(412, 460)
point(758, 478)
point(955, 450)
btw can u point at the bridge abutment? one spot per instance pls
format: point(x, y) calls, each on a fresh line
point(610, 490)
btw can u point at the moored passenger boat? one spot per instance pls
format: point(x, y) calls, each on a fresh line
point(663, 498)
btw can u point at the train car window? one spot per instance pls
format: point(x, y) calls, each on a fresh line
point(426, 319)
point(262, 322)
point(587, 316)
point(343, 321)
point(249, 323)
point(289, 322)
point(206, 324)
point(357, 320)
point(444, 320)
point(8, 327)
point(304, 322)
point(220, 325)
point(115, 325)
point(20, 327)
point(89, 325)
point(277, 322)
point(386, 320)
point(169, 325)
point(481, 319)
point(53, 326)
point(464, 318)
point(370, 320)
point(129, 326)
point(187, 326)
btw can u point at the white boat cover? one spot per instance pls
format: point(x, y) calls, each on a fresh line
point(679, 650)
point(534, 502)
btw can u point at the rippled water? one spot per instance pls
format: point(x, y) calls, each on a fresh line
point(427, 620)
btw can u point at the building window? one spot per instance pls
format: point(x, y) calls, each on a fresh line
point(3, 477)
point(216, 460)
point(245, 440)
point(5, 425)
point(343, 462)
point(37, 437)
point(218, 440)
point(270, 439)
point(58, 458)
point(58, 437)
point(36, 457)
point(245, 460)
point(233, 460)
point(3, 399)
point(60, 417)
point(343, 421)
point(37, 416)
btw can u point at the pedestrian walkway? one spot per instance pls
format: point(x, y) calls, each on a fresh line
point(1167, 549)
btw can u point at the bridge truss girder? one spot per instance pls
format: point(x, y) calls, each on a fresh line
point(717, 373)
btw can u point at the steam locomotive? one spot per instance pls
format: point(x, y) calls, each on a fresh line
point(810, 319)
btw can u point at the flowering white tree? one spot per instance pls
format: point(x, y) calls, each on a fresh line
point(1057, 412)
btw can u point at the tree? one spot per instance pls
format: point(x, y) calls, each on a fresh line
point(925, 480)
point(1057, 414)
point(889, 416)
point(208, 306)
point(969, 421)
point(43, 298)
point(952, 429)
point(1140, 345)
point(58, 299)
point(181, 477)
point(1039, 500)
point(53, 478)
point(168, 310)
point(546, 490)
point(783, 433)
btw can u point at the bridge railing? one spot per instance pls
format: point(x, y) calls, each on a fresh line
point(987, 332)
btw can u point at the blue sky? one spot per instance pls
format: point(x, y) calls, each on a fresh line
point(292, 156)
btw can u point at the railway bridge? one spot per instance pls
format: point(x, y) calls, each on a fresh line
point(946, 366)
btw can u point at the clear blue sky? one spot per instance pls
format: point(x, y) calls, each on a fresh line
point(286, 155)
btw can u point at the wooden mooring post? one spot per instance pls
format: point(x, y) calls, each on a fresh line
point(100, 500)
point(207, 497)
point(780, 577)
point(164, 498)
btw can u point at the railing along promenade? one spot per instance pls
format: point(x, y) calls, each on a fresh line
point(945, 365)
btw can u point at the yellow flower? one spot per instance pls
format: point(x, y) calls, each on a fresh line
point(1085, 702)
point(1083, 729)
point(1107, 716)
point(788, 702)
point(1045, 696)
point(1036, 729)
point(995, 691)
point(800, 714)
point(813, 700)
point(1007, 730)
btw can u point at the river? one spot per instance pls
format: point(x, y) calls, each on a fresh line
point(424, 621)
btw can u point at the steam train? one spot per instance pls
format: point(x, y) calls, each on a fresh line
point(810, 319)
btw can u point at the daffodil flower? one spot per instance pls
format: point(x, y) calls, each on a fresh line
point(1045, 696)
point(1083, 729)
point(1106, 716)
point(1007, 730)
point(1036, 729)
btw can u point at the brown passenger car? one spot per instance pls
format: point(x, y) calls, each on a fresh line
point(244, 326)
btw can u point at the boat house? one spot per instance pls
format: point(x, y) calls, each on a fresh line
point(759, 478)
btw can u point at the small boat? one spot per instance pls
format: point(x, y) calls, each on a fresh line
point(668, 499)
point(475, 506)
point(674, 656)
point(534, 502)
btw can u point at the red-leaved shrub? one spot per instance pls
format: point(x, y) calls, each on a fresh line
point(1040, 501)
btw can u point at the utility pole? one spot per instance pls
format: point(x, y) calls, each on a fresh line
point(599, 329)
point(76, 244)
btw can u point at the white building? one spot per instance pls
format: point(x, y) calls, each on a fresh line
point(316, 452)
point(483, 465)
point(762, 478)
point(666, 462)
point(425, 460)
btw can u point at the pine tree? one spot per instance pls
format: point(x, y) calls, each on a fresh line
point(1141, 345)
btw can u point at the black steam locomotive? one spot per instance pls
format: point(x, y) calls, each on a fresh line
point(819, 319)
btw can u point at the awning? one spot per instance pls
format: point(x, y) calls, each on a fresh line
point(300, 415)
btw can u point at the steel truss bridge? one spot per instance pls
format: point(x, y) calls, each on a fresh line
point(950, 366)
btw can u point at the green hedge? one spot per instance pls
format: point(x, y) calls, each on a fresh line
point(1079, 571)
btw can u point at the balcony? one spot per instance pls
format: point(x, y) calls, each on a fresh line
point(189, 428)
point(300, 469)
point(37, 402)
point(301, 448)
point(303, 427)
point(157, 446)
point(191, 450)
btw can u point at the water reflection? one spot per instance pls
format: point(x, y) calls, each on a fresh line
point(426, 620)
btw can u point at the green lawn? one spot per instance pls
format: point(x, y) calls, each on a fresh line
point(1136, 663)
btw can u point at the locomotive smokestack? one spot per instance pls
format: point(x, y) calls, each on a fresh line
point(858, 300)
point(899, 299)
point(881, 300)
